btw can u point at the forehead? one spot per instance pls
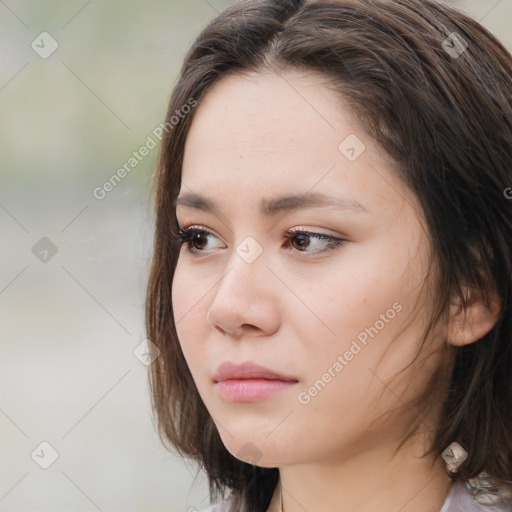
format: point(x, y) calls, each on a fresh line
point(256, 113)
point(260, 135)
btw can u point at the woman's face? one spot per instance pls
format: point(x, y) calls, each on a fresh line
point(323, 315)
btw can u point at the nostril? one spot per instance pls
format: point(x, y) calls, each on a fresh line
point(250, 327)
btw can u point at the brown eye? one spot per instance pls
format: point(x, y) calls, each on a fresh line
point(194, 238)
point(199, 240)
point(302, 241)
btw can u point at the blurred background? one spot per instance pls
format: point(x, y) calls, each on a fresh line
point(83, 85)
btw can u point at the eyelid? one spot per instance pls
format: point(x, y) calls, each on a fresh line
point(311, 230)
point(199, 227)
point(299, 229)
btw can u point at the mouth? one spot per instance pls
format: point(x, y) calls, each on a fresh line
point(249, 382)
point(251, 390)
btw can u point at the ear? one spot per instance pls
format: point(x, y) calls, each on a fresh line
point(465, 327)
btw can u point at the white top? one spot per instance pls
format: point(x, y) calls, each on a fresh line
point(459, 499)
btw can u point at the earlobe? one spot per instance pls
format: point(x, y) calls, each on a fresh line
point(474, 323)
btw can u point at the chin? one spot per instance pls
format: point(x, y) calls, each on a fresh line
point(259, 451)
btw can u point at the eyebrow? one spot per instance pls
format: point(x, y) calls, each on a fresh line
point(272, 206)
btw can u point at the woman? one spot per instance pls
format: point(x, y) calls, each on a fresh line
point(331, 283)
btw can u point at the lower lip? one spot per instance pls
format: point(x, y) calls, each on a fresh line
point(251, 390)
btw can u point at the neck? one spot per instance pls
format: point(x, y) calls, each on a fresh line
point(365, 481)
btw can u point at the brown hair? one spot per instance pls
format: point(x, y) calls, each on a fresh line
point(444, 115)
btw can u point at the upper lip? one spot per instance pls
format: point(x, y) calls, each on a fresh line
point(247, 370)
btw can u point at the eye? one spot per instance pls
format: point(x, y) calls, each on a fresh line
point(301, 241)
point(312, 242)
point(192, 237)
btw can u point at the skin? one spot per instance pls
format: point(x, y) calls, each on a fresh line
point(295, 310)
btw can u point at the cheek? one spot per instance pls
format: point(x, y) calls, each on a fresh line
point(189, 314)
point(354, 376)
point(360, 306)
point(352, 295)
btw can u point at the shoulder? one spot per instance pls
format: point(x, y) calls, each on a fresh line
point(460, 499)
point(223, 506)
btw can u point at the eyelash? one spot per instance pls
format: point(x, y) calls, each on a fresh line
point(186, 236)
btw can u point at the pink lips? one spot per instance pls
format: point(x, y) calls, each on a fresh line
point(249, 382)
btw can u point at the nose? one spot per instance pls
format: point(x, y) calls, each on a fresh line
point(245, 303)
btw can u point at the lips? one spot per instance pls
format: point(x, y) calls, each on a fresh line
point(249, 382)
point(248, 370)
